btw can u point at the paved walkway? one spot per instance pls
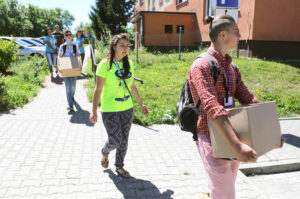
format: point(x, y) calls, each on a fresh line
point(47, 153)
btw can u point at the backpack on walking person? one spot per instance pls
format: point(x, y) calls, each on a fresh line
point(187, 112)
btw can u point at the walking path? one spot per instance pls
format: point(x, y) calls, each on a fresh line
point(47, 153)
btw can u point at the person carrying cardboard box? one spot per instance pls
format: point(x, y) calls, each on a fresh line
point(68, 49)
point(214, 97)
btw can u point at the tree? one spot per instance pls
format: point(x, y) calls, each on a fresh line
point(85, 26)
point(13, 20)
point(110, 15)
point(19, 20)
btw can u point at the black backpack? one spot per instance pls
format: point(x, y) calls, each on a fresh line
point(187, 112)
point(65, 48)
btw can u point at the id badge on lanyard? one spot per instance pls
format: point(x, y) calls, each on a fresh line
point(228, 103)
point(228, 100)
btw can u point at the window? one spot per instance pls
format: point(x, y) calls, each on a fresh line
point(181, 1)
point(182, 28)
point(149, 4)
point(210, 8)
point(168, 28)
point(161, 3)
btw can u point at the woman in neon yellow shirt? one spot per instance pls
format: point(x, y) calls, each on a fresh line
point(115, 85)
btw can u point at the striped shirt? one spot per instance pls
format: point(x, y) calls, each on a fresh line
point(212, 95)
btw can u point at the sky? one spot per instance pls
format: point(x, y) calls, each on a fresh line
point(78, 8)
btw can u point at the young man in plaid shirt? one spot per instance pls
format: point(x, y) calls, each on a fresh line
point(224, 35)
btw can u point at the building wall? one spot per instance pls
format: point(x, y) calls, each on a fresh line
point(277, 20)
point(246, 18)
point(195, 6)
point(154, 29)
point(268, 28)
point(269, 20)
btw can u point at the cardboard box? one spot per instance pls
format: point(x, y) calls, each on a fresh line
point(69, 66)
point(256, 125)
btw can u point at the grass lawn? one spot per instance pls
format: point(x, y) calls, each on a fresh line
point(164, 75)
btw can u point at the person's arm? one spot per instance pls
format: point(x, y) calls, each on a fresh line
point(81, 43)
point(48, 43)
point(203, 81)
point(96, 96)
point(138, 98)
point(243, 152)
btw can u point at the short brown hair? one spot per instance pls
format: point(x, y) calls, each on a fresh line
point(218, 24)
point(67, 31)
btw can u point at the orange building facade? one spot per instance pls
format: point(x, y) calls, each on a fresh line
point(269, 28)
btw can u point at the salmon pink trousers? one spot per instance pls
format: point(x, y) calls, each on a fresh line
point(221, 173)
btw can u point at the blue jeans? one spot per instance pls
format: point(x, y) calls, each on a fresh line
point(51, 58)
point(70, 83)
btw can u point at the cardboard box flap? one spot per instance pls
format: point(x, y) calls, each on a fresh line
point(221, 149)
point(239, 120)
point(69, 66)
point(267, 120)
point(68, 63)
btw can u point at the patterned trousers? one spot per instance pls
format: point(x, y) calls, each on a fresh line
point(117, 125)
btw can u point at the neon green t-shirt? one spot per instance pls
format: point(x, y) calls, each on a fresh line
point(115, 96)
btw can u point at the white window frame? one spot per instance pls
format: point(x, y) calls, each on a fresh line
point(209, 8)
point(178, 2)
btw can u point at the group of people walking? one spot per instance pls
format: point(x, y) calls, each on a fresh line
point(61, 45)
point(115, 89)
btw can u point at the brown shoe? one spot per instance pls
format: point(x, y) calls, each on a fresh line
point(123, 173)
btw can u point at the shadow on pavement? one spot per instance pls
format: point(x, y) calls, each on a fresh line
point(149, 128)
point(292, 140)
point(137, 188)
point(57, 79)
point(80, 116)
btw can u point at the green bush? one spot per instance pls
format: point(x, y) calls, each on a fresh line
point(8, 54)
point(23, 84)
point(3, 93)
point(31, 70)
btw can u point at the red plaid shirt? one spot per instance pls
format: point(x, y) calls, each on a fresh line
point(212, 96)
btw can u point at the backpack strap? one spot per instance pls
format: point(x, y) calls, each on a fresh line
point(74, 49)
point(64, 49)
point(212, 64)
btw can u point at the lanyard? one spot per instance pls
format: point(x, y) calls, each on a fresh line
point(117, 65)
point(228, 82)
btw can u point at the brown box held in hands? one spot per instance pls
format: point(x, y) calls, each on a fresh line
point(256, 125)
point(69, 66)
